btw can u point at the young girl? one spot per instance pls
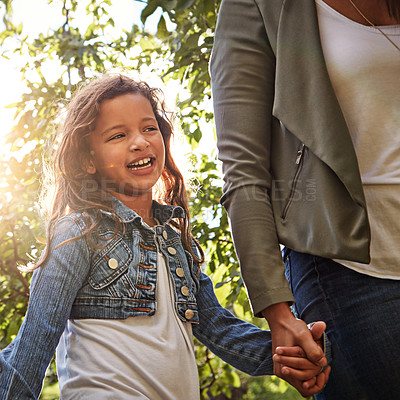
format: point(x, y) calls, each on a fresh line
point(119, 289)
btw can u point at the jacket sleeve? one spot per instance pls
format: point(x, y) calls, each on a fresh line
point(239, 343)
point(243, 77)
point(54, 286)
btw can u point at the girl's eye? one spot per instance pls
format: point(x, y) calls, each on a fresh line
point(117, 136)
point(150, 129)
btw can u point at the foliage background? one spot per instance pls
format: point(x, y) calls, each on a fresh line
point(178, 51)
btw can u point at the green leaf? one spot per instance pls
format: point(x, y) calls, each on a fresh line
point(168, 5)
point(162, 31)
point(148, 10)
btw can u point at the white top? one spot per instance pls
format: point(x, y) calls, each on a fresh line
point(145, 357)
point(364, 68)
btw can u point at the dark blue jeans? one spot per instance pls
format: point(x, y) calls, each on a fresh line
point(362, 314)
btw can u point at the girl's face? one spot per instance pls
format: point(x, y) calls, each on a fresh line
point(127, 146)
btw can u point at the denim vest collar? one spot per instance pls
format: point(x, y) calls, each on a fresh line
point(162, 212)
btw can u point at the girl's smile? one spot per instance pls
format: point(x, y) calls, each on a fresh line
point(138, 165)
point(127, 146)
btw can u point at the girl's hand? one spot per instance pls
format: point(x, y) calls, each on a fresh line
point(295, 364)
point(301, 373)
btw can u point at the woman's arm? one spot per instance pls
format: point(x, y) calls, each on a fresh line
point(243, 83)
point(54, 286)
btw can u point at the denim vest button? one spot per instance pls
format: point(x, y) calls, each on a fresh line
point(189, 314)
point(171, 251)
point(185, 290)
point(112, 263)
point(165, 235)
point(180, 272)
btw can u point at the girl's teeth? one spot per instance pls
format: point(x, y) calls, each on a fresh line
point(140, 164)
point(138, 167)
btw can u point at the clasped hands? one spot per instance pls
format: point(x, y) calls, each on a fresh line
point(298, 357)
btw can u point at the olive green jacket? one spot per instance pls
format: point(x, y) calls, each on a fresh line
point(290, 168)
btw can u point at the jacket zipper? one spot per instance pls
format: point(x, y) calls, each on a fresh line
point(299, 163)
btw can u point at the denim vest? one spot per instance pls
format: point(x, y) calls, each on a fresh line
point(122, 279)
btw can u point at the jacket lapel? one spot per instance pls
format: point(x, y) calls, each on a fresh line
point(305, 101)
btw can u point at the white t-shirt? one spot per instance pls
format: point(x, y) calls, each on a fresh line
point(364, 68)
point(145, 357)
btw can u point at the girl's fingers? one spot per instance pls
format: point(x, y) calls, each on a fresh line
point(319, 380)
point(318, 383)
point(293, 351)
point(299, 374)
point(296, 362)
point(309, 383)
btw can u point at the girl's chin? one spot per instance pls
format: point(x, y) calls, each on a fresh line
point(135, 193)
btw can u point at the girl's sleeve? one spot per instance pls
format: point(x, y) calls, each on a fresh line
point(239, 343)
point(54, 287)
point(242, 72)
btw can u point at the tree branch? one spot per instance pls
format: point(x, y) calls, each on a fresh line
point(214, 378)
point(13, 296)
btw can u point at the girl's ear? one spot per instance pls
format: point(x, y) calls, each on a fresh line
point(91, 169)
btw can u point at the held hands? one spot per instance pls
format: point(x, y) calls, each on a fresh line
point(307, 377)
point(299, 358)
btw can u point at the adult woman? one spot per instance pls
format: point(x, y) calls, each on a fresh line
point(306, 98)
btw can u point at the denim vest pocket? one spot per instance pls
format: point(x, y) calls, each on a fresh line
point(110, 264)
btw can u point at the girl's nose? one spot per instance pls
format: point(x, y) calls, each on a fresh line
point(139, 142)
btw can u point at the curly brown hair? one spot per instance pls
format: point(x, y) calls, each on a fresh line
point(67, 175)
